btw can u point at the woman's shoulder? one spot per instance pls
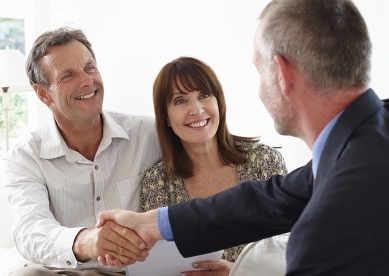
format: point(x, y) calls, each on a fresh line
point(156, 174)
point(262, 161)
point(257, 148)
point(156, 169)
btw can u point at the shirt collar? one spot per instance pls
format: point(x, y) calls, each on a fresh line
point(321, 140)
point(53, 145)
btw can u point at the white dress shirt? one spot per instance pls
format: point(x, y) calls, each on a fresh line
point(54, 191)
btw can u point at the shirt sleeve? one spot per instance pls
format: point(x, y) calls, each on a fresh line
point(35, 232)
point(164, 223)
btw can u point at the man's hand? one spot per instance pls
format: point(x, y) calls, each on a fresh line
point(210, 268)
point(144, 224)
point(113, 239)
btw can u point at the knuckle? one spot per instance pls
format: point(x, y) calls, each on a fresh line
point(119, 250)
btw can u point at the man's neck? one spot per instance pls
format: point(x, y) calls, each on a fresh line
point(84, 138)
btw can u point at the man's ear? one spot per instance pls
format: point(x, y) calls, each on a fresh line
point(42, 94)
point(283, 74)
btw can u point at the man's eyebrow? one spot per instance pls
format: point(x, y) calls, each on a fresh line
point(91, 62)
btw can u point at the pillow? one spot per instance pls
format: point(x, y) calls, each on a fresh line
point(262, 258)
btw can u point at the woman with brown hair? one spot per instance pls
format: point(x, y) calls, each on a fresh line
point(199, 155)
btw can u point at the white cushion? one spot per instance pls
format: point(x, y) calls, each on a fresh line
point(262, 258)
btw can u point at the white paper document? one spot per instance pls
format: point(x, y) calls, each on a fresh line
point(165, 260)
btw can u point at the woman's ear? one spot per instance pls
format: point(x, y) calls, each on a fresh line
point(42, 94)
point(283, 74)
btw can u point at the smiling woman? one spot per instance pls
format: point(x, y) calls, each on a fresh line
point(200, 156)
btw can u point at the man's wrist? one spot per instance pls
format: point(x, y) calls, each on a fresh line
point(78, 246)
point(164, 223)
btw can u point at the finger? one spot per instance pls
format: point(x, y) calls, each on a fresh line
point(107, 247)
point(210, 268)
point(101, 260)
point(116, 262)
point(110, 260)
point(210, 265)
point(119, 264)
point(130, 235)
point(126, 242)
point(221, 265)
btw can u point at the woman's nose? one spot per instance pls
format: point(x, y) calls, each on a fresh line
point(196, 108)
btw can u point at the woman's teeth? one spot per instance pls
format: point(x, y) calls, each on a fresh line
point(199, 124)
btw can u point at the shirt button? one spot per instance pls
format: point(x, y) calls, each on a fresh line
point(96, 167)
point(69, 263)
point(98, 198)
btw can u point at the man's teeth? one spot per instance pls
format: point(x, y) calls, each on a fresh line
point(199, 124)
point(86, 96)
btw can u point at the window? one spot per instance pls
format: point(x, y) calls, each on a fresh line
point(12, 37)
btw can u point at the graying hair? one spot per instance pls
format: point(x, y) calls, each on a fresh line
point(57, 37)
point(326, 40)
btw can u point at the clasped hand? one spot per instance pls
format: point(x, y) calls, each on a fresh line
point(146, 226)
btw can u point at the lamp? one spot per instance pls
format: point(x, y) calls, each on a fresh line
point(13, 78)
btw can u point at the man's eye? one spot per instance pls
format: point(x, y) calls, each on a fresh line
point(66, 76)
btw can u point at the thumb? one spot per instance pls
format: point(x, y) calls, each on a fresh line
point(104, 216)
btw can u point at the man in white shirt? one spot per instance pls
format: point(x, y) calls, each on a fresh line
point(82, 161)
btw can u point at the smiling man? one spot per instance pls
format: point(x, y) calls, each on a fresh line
point(81, 162)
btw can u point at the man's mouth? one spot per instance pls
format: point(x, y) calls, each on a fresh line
point(86, 96)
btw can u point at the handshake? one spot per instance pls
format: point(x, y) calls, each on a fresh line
point(131, 236)
point(140, 231)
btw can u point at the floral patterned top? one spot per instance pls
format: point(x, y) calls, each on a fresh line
point(157, 191)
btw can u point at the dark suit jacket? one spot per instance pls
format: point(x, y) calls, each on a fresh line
point(340, 227)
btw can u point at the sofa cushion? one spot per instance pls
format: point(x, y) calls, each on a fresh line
point(262, 258)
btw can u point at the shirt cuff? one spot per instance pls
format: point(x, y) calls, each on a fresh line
point(164, 223)
point(64, 248)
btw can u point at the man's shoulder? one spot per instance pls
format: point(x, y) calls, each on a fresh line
point(27, 146)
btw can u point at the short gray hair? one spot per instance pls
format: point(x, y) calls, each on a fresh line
point(57, 37)
point(327, 41)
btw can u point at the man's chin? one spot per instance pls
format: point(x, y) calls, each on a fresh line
point(281, 129)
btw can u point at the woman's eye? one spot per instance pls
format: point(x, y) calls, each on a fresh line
point(179, 101)
point(205, 95)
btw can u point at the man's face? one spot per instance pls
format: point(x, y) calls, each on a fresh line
point(269, 89)
point(75, 91)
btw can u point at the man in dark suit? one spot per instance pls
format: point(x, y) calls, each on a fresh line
point(314, 61)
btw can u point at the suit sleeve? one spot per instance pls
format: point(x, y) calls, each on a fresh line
point(250, 211)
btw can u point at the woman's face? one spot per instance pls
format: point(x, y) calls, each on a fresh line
point(193, 116)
